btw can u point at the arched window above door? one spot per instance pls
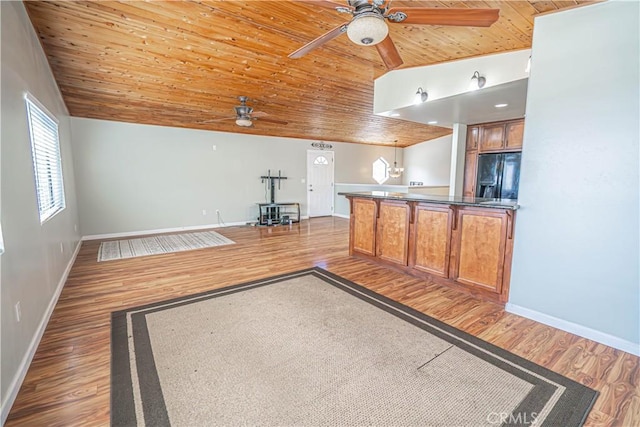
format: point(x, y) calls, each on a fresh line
point(321, 160)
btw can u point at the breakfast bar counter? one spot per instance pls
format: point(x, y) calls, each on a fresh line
point(464, 243)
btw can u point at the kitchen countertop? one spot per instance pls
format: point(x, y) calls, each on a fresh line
point(445, 200)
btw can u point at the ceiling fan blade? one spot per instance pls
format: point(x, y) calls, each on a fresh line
point(445, 16)
point(326, 3)
point(319, 41)
point(278, 122)
point(259, 114)
point(389, 53)
point(216, 120)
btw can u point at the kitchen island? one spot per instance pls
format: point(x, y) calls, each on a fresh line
point(462, 242)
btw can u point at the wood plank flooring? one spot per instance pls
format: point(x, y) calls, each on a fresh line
point(68, 381)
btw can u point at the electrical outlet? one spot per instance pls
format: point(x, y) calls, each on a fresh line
point(61, 247)
point(18, 311)
point(214, 147)
point(75, 227)
point(204, 212)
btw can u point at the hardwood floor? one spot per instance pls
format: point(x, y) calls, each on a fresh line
point(68, 381)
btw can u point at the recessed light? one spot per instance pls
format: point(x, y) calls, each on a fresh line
point(432, 122)
point(501, 105)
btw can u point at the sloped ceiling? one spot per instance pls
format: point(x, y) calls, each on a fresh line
point(179, 63)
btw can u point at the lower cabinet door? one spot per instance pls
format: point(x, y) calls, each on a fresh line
point(479, 246)
point(393, 232)
point(363, 226)
point(431, 243)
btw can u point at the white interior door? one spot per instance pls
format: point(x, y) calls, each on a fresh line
point(320, 182)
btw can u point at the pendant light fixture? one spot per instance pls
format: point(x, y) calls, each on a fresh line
point(395, 171)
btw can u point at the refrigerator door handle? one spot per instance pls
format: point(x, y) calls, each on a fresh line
point(500, 176)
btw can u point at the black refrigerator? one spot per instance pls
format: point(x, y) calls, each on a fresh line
point(498, 176)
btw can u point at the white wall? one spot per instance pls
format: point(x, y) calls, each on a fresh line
point(576, 255)
point(428, 162)
point(396, 89)
point(135, 177)
point(33, 265)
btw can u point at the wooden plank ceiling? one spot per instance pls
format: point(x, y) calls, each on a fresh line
point(178, 63)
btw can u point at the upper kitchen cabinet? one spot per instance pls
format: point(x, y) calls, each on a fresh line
point(492, 138)
point(502, 136)
point(514, 132)
point(473, 134)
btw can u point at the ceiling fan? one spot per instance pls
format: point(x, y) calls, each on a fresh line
point(368, 25)
point(245, 115)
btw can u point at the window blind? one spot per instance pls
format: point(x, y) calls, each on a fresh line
point(45, 149)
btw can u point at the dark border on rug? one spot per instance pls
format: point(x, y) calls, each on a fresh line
point(571, 409)
point(123, 398)
point(576, 395)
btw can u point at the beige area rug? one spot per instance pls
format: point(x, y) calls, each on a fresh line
point(311, 348)
point(154, 245)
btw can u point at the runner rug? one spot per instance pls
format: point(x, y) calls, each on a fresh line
point(311, 348)
point(154, 245)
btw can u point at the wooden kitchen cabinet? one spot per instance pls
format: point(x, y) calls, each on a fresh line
point(501, 136)
point(364, 213)
point(514, 133)
point(491, 137)
point(393, 232)
point(468, 247)
point(431, 240)
point(470, 170)
point(473, 134)
point(480, 240)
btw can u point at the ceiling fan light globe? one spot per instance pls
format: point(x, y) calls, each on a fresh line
point(367, 29)
point(244, 122)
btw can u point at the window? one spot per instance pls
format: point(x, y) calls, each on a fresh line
point(381, 170)
point(45, 150)
point(321, 160)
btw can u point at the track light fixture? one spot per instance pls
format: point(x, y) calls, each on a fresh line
point(421, 96)
point(477, 81)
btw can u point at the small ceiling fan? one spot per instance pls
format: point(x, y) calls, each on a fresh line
point(245, 115)
point(368, 26)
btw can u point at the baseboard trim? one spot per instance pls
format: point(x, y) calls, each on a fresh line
point(574, 328)
point(160, 231)
point(14, 387)
point(342, 216)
